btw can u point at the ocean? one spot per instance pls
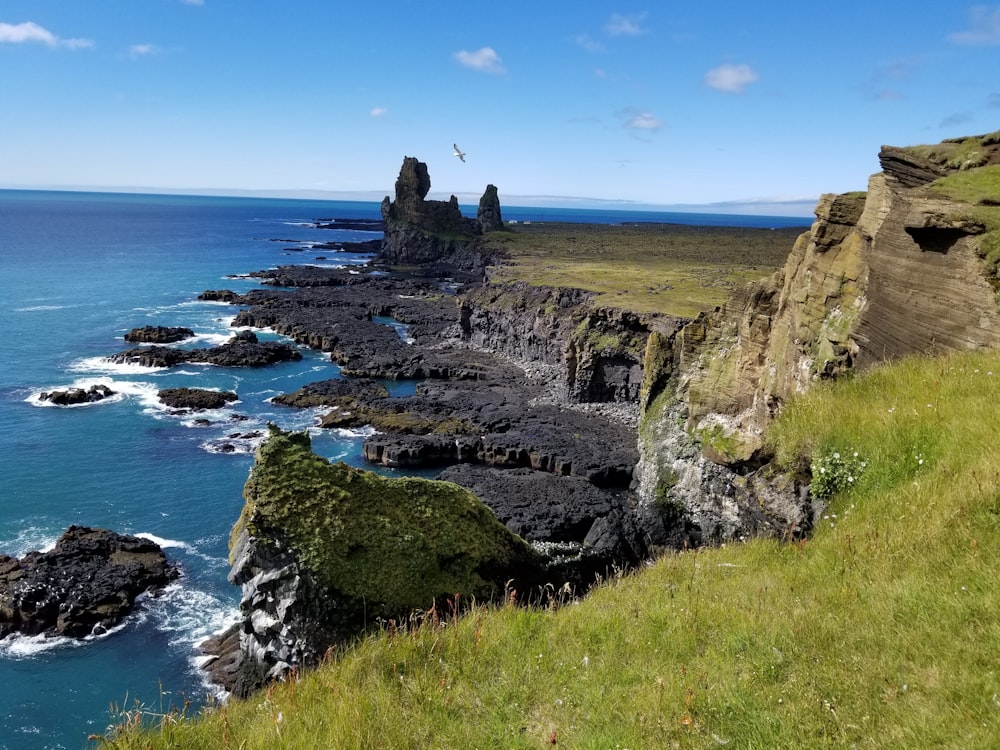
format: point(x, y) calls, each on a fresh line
point(78, 271)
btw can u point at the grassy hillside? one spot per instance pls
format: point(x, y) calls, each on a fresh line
point(630, 266)
point(881, 631)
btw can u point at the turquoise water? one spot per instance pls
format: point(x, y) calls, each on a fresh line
point(79, 270)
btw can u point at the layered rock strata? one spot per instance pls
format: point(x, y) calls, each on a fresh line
point(898, 270)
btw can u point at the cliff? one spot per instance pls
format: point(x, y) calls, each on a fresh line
point(908, 267)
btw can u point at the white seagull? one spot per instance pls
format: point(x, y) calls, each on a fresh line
point(458, 152)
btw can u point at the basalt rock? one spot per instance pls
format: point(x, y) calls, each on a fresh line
point(195, 398)
point(158, 335)
point(85, 585)
point(242, 350)
point(323, 551)
point(488, 215)
point(77, 396)
point(419, 231)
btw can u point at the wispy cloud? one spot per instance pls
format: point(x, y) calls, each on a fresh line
point(984, 27)
point(142, 50)
point(636, 119)
point(378, 111)
point(994, 100)
point(730, 79)
point(588, 43)
point(625, 25)
point(193, 2)
point(29, 31)
point(959, 118)
point(484, 59)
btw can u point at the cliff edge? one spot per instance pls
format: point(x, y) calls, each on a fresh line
point(908, 267)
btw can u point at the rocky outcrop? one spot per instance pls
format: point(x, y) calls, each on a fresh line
point(85, 585)
point(488, 215)
point(895, 271)
point(158, 335)
point(323, 551)
point(77, 396)
point(195, 399)
point(242, 350)
point(421, 232)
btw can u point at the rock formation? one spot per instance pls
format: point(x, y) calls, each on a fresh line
point(158, 335)
point(195, 398)
point(904, 268)
point(85, 585)
point(77, 396)
point(323, 551)
point(488, 215)
point(242, 350)
point(419, 231)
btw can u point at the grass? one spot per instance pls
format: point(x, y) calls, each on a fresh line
point(881, 631)
point(664, 268)
point(980, 189)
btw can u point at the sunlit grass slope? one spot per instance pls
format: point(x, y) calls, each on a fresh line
point(666, 268)
point(881, 631)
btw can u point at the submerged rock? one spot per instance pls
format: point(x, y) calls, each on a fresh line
point(85, 585)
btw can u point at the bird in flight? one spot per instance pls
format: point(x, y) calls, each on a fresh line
point(459, 153)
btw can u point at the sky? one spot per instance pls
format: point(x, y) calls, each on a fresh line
point(761, 105)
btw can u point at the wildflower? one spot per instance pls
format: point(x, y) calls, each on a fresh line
point(586, 662)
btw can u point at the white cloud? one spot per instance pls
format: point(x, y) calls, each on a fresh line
point(29, 31)
point(378, 111)
point(640, 120)
point(984, 27)
point(730, 79)
point(484, 59)
point(630, 25)
point(142, 50)
point(591, 45)
point(193, 2)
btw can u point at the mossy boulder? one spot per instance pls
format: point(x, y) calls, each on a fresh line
point(323, 550)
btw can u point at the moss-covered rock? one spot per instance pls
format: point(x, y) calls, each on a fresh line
point(323, 550)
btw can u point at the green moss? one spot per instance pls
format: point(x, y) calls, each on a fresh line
point(398, 543)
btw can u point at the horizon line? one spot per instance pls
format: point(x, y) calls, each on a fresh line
point(792, 207)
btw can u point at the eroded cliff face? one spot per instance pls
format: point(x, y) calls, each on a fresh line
point(595, 353)
point(895, 271)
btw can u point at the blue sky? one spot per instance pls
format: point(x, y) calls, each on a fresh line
point(661, 103)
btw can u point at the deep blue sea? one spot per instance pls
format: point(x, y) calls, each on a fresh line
point(78, 270)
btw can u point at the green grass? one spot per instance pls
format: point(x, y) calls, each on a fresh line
point(664, 268)
point(881, 631)
point(980, 188)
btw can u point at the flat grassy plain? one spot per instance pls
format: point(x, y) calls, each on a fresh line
point(665, 268)
point(880, 631)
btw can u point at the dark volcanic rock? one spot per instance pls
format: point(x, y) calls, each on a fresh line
point(242, 350)
point(75, 396)
point(195, 398)
point(221, 295)
point(85, 585)
point(488, 215)
point(158, 335)
point(421, 231)
point(334, 392)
